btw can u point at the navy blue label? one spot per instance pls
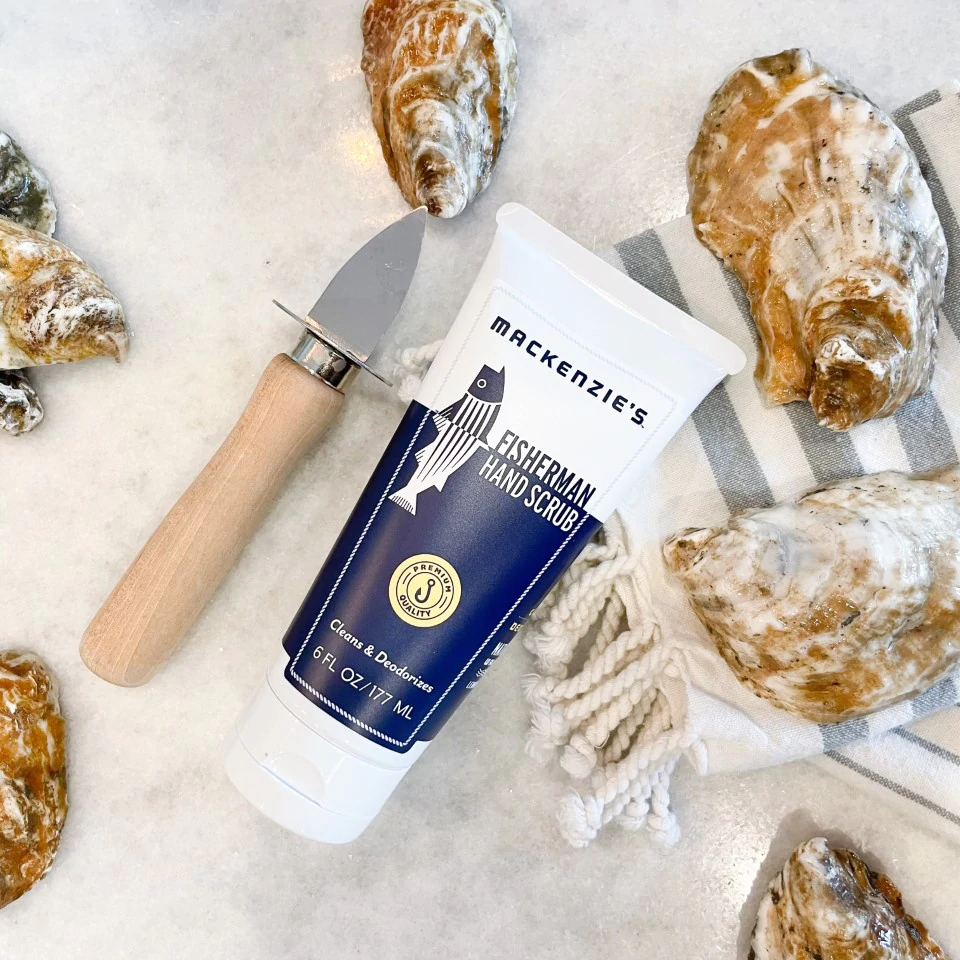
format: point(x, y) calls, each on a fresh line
point(451, 545)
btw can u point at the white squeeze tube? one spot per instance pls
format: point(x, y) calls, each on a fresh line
point(559, 382)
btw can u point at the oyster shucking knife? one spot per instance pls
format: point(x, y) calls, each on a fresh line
point(299, 395)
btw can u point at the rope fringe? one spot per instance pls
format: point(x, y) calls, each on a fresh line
point(608, 722)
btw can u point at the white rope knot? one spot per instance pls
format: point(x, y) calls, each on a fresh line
point(579, 757)
point(411, 367)
point(580, 819)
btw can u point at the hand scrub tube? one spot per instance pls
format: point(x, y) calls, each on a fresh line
point(559, 382)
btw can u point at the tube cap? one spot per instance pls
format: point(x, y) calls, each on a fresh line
point(300, 778)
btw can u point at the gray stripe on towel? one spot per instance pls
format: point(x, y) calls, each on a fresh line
point(925, 100)
point(925, 434)
point(837, 735)
point(732, 459)
point(897, 788)
point(923, 744)
point(940, 695)
point(646, 261)
point(831, 455)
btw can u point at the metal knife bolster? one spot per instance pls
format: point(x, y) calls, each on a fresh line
point(321, 356)
point(322, 361)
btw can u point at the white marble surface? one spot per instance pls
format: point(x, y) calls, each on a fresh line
point(207, 156)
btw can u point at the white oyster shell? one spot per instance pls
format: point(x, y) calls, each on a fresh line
point(840, 603)
point(55, 309)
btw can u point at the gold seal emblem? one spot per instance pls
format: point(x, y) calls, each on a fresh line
point(424, 590)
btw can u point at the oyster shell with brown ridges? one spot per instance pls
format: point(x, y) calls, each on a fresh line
point(812, 196)
point(442, 76)
point(33, 773)
point(55, 309)
point(840, 603)
point(829, 904)
point(26, 199)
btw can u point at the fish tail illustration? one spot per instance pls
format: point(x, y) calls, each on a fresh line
point(405, 499)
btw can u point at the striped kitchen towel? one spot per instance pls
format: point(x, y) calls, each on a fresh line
point(628, 683)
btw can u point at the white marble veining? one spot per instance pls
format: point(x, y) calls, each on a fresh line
point(207, 156)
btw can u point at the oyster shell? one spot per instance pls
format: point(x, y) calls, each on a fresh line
point(20, 407)
point(442, 76)
point(54, 307)
point(33, 777)
point(25, 195)
point(828, 903)
point(810, 194)
point(25, 198)
point(840, 603)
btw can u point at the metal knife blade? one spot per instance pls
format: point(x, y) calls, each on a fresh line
point(361, 301)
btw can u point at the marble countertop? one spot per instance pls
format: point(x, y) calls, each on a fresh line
point(206, 157)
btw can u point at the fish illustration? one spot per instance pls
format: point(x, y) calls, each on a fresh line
point(462, 428)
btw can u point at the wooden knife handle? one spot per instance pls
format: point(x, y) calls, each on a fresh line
point(192, 551)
